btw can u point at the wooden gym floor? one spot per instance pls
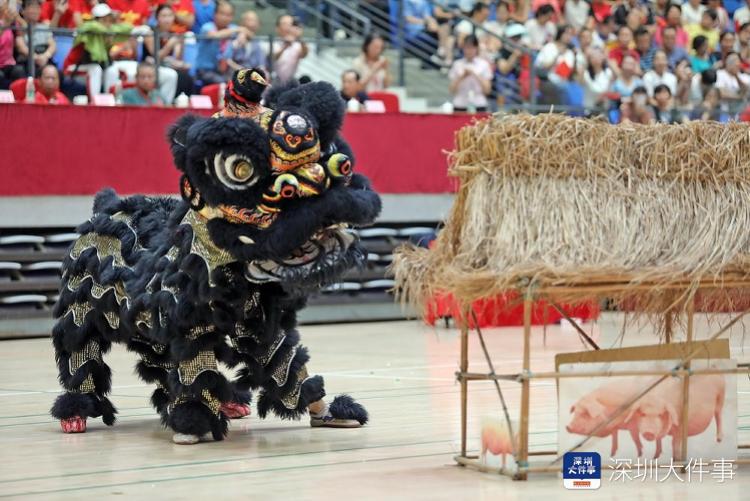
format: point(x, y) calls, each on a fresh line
point(401, 371)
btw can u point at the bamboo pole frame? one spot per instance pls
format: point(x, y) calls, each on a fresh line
point(523, 468)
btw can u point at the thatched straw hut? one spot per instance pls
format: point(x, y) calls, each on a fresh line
point(579, 209)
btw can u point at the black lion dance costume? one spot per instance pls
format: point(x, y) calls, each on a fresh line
point(268, 199)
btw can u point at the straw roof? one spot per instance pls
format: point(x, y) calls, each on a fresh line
point(580, 209)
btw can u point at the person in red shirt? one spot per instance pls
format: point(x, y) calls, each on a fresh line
point(624, 42)
point(184, 13)
point(66, 13)
point(133, 12)
point(49, 87)
point(601, 9)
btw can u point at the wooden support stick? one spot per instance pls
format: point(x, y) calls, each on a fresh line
point(464, 382)
point(686, 386)
point(480, 376)
point(575, 325)
point(523, 433)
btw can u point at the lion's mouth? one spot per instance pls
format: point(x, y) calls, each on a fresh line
point(327, 252)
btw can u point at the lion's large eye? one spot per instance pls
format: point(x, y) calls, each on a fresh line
point(339, 165)
point(235, 171)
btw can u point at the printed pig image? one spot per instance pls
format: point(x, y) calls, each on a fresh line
point(496, 438)
point(657, 414)
point(602, 403)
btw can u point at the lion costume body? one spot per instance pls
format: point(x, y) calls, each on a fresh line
point(218, 276)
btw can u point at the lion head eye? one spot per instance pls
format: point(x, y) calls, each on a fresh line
point(235, 171)
point(242, 171)
point(339, 165)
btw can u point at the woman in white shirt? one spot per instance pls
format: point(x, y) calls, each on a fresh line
point(372, 65)
point(596, 79)
point(470, 78)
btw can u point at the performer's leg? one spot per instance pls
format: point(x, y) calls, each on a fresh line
point(288, 390)
point(154, 367)
point(79, 347)
point(342, 412)
point(197, 390)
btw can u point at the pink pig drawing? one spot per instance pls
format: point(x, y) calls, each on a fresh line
point(657, 414)
point(496, 439)
point(601, 404)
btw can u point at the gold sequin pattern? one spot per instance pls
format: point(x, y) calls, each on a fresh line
point(150, 361)
point(291, 399)
point(86, 386)
point(172, 253)
point(207, 399)
point(172, 290)
point(281, 372)
point(90, 351)
point(188, 370)
point(157, 347)
point(242, 331)
point(266, 357)
point(79, 311)
point(105, 245)
point(203, 246)
point(252, 304)
point(113, 319)
point(196, 332)
point(97, 290)
point(143, 318)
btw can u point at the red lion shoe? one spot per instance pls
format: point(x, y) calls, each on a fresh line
point(234, 410)
point(76, 424)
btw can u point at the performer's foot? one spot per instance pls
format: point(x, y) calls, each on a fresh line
point(76, 424)
point(188, 439)
point(343, 412)
point(234, 410)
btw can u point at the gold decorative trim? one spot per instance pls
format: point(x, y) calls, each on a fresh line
point(113, 319)
point(90, 351)
point(144, 317)
point(291, 399)
point(97, 290)
point(206, 399)
point(86, 386)
point(203, 247)
point(105, 246)
point(79, 311)
point(188, 370)
point(200, 330)
point(281, 372)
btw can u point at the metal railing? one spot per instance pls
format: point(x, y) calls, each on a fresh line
point(336, 15)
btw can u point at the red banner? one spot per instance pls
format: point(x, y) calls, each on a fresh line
point(71, 150)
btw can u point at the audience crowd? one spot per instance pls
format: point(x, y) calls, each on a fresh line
point(636, 60)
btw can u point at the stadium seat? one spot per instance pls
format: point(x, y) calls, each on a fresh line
point(18, 88)
point(574, 98)
point(212, 91)
point(64, 44)
point(125, 85)
point(389, 99)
